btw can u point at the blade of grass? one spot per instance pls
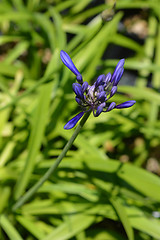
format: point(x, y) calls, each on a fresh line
point(31, 227)
point(147, 94)
point(5, 195)
point(5, 39)
point(13, 54)
point(128, 173)
point(9, 229)
point(126, 42)
point(156, 75)
point(64, 5)
point(7, 153)
point(32, 4)
point(80, 6)
point(71, 227)
point(48, 28)
point(41, 81)
point(18, 4)
point(79, 18)
point(149, 48)
point(120, 210)
point(60, 35)
point(35, 141)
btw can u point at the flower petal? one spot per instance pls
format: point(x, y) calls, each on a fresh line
point(119, 65)
point(113, 91)
point(107, 78)
point(100, 109)
point(118, 76)
point(71, 123)
point(69, 63)
point(111, 106)
point(77, 88)
point(78, 100)
point(101, 88)
point(84, 86)
point(102, 96)
point(99, 80)
point(79, 78)
point(126, 104)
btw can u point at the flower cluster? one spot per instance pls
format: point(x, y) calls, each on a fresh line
point(95, 97)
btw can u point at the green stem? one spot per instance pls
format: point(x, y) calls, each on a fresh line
point(52, 169)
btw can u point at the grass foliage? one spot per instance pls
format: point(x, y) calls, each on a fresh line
point(108, 186)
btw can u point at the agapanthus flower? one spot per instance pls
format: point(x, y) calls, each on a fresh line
point(95, 97)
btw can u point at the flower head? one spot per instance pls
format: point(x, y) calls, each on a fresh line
point(95, 97)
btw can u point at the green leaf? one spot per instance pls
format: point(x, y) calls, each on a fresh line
point(144, 182)
point(121, 212)
point(19, 49)
point(119, 208)
point(140, 221)
point(38, 126)
point(9, 229)
point(31, 227)
point(141, 93)
point(72, 226)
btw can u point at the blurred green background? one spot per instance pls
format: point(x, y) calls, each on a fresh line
point(108, 186)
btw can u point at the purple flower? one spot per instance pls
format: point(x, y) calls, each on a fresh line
point(69, 63)
point(73, 121)
point(95, 98)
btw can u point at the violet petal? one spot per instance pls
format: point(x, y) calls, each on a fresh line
point(111, 106)
point(84, 86)
point(78, 100)
point(126, 104)
point(113, 91)
point(119, 65)
point(107, 78)
point(118, 76)
point(99, 80)
point(102, 96)
point(100, 109)
point(77, 88)
point(71, 123)
point(69, 63)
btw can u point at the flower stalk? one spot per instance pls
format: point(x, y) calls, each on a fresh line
point(52, 169)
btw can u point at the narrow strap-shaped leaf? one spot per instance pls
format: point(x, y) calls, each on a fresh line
point(36, 136)
point(9, 229)
point(121, 212)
